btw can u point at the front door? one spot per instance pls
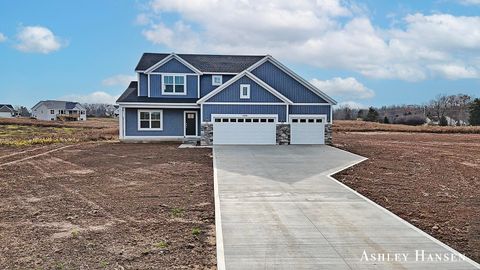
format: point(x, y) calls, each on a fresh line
point(190, 124)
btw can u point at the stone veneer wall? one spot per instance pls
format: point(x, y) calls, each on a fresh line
point(206, 134)
point(283, 134)
point(328, 134)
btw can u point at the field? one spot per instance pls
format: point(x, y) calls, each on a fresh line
point(95, 203)
point(426, 176)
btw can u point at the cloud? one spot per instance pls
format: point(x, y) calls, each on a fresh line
point(2, 37)
point(470, 2)
point(321, 33)
point(119, 79)
point(344, 87)
point(37, 39)
point(95, 97)
point(351, 105)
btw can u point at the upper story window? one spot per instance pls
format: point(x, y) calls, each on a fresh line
point(150, 119)
point(52, 111)
point(217, 80)
point(245, 91)
point(174, 85)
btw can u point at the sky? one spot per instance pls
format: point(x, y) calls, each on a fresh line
point(361, 52)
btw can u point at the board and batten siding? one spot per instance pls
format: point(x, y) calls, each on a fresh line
point(310, 109)
point(174, 66)
point(209, 109)
point(232, 93)
point(173, 123)
point(143, 84)
point(206, 83)
point(285, 84)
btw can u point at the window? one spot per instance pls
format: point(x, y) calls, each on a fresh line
point(244, 90)
point(150, 120)
point(61, 111)
point(217, 80)
point(173, 85)
point(52, 111)
point(82, 112)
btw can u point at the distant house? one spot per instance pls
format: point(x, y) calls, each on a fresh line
point(6, 111)
point(50, 110)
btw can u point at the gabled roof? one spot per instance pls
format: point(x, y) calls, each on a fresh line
point(130, 95)
point(58, 104)
point(294, 75)
point(6, 108)
point(205, 63)
point(236, 78)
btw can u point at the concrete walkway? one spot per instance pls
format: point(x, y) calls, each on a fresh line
point(277, 208)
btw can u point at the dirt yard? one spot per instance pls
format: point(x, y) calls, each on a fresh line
point(106, 205)
point(431, 180)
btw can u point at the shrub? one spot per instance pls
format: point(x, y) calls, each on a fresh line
point(385, 120)
point(474, 110)
point(443, 121)
point(411, 120)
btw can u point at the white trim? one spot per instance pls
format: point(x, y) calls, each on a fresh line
point(295, 76)
point(170, 57)
point(138, 79)
point(161, 105)
point(124, 122)
point(213, 80)
point(162, 85)
point(185, 124)
point(242, 96)
point(120, 122)
point(236, 78)
point(166, 72)
point(148, 85)
point(436, 241)
point(312, 104)
point(198, 86)
point(150, 120)
point(287, 111)
point(201, 115)
point(331, 114)
point(243, 103)
point(218, 218)
point(220, 73)
point(239, 115)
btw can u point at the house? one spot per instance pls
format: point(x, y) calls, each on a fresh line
point(222, 99)
point(6, 111)
point(51, 110)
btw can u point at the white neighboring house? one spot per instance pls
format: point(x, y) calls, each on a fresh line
point(50, 110)
point(6, 111)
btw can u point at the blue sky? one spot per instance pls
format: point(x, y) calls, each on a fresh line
point(360, 52)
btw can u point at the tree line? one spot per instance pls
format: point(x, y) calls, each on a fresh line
point(443, 110)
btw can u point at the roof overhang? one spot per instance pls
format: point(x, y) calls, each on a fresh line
point(170, 57)
point(158, 105)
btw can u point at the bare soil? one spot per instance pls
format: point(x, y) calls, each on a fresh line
point(430, 180)
point(106, 205)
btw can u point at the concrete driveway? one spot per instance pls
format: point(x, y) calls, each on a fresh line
point(277, 208)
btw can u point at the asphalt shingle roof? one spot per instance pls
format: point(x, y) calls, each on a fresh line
point(55, 104)
point(205, 62)
point(130, 95)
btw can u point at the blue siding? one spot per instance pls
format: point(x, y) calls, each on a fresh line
point(208, 110)
point(285, 84)
point(155, 85)
point(310, 109)
point(232, 93)
point(143, 84)
point(173, 66)
point(173, 123)
point(192, 86)
point(206, 83)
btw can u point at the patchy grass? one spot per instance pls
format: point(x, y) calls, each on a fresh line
point(20, 132)
point(177, 212)
point(161, 244)
point(363, 126)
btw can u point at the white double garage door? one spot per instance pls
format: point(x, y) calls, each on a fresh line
point(261, 129)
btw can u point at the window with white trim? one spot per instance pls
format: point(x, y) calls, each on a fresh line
point(217, 80)
point(244, 91)
point(52, 111)
point(150, 119)
point(173, 85)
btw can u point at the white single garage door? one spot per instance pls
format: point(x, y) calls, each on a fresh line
point(5, 115)
point(307, 129)
point(244, 129)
